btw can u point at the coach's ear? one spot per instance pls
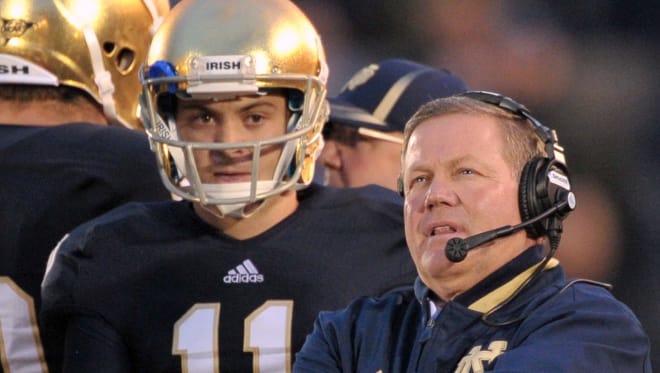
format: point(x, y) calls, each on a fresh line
point(399, 185)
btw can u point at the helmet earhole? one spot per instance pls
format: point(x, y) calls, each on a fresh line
point(125, 59)
point(108, 47)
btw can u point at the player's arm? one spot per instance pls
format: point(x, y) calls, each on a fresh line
point(75, 339)
point(92, 345)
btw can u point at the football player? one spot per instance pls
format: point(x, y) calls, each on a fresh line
point(67, 70)
point(231, 277)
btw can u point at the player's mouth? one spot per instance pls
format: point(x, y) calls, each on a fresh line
point(225, 176)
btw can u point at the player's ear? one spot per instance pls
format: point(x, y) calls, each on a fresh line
point(399, 185)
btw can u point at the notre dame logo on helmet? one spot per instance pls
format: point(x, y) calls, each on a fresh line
point(13, 28)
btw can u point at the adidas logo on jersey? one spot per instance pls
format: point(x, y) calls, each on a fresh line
point(245, 272)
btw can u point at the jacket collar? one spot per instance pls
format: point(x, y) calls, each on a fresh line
point(497, 286)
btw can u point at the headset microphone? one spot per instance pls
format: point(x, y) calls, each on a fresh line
point(457, 248)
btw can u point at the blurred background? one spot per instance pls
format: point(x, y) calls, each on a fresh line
point(588, 69)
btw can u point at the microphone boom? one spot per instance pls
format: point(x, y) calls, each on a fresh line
point(457, 248)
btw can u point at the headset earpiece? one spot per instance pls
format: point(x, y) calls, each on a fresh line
point(399, 185)
point(524, 204)
point(533, 195)
point(544, 181)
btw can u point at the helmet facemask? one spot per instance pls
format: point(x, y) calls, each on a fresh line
point(178, 157)
point(255, 53)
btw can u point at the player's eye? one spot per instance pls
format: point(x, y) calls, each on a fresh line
point(255, 118)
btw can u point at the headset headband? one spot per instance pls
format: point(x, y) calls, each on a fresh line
point(547, 135)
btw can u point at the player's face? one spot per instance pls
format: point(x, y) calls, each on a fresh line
point(458, 184)
point(352, 160)
point(244, 119)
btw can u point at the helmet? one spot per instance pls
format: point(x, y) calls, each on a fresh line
point(222, 49)
point(93, 45)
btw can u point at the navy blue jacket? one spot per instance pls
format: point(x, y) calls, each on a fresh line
point(565, 327)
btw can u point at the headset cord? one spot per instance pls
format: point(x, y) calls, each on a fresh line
point(554, 236)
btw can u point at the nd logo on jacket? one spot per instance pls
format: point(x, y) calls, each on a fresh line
point(474, 361)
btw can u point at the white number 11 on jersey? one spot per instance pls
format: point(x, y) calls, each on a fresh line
point(267, 333)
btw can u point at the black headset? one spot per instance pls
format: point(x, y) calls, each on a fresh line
point(544, 181)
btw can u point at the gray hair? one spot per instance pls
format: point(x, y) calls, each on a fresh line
point(521, 142)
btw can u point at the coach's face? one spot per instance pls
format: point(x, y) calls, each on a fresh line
point(459, 184)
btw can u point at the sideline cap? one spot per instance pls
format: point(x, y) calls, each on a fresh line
point(384, 95)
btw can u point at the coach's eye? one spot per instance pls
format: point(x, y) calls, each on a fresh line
point(418, 179)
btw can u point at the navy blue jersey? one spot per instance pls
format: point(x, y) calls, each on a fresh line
point(564, 327)
point(56, 178)
point(152, 288)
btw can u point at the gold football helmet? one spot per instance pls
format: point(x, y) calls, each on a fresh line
point(227, 48)
point(93, 45)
